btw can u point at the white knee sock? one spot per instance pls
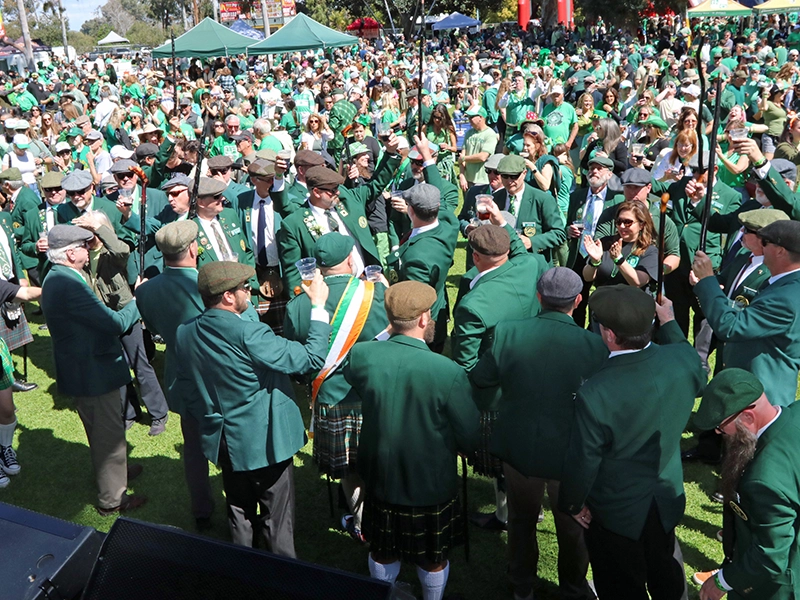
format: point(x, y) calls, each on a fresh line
point(384, 572)
point(353, 489)
point(433, 584)
point(502, 504)
point(7, 433)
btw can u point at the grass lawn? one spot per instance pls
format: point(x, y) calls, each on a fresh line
point(57, 480)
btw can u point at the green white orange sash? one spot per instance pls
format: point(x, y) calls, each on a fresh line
point(346, 325)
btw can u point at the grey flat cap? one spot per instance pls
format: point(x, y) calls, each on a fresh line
point(559, 283)
point(786, 168)
point(179, 179)
point(125, 165)
point(62, 236)
point(493, 161)
point(210, 187)
point(94, 135)
point(640, 177)
point(694, 164)
point(77, 181)
point(145, 150)
point(423, 196)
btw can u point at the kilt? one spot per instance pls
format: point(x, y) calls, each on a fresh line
point(482, 462)
point(412, 533)
point(336, 432)
point(7, 375)
point(17, 336)
point(272, 312)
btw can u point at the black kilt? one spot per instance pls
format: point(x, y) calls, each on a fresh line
point(484, 463)
point(336, 432)
point(412, 533)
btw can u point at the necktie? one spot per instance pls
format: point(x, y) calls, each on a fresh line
point(49, 218)
point(406, 237)
point(333, 224)
point(261, 236)
point(223, 245)
point(740, 277)
point(588, 224)
point(512, 205)
point(731, 254)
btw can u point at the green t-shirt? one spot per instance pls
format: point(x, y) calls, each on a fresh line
point(476, 142)
point(223, 146)
point(774, 118)
point(270, 143)
point(558, 122)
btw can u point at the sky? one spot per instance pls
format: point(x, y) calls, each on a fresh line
point(79, 11)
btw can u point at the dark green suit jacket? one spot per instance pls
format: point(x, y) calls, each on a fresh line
point(401, 224)
point(780, 195)
point(159, 213)
point(624, 452)
point(577, 200)
point(26, 202)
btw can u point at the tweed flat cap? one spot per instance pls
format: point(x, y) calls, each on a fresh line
point(307, 158)
point(490, 240)
point(754, 220)
point(210, 187)
point(786, 168)
point(175, 237)
point(559, 284)
point(62, 236)
point(178, 179)
point(220, 276)
point(261, 168)
point(407, 300)
point(12, 174)
point(623, 309)
point(145, 150)
point(77, 181)
point(323, 177)
point(125, 165)
point(51, 179)
point(219, 162)
point(423, 197)
point(785, 234)
point(511, 165)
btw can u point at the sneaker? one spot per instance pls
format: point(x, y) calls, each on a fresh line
point(703, 576)
point(158, 426)
point(4, 480)
point(348, 524)
point(8, 460)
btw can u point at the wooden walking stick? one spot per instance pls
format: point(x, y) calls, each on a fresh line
point(662, 226)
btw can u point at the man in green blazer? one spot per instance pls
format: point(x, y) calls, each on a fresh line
point(415, 108)
point(22, 201)
point(32, 245)
point(336, 407)
point(418, 414)
point(220, 168)
point(760, 486)
point(297, 193)
point(234, 379)
point(333, 207)
point(166, 302)
point(534, 423)
point(764, 336)
point(774, 184)
point(80, 325)
point(467, 214)
point(624, 480)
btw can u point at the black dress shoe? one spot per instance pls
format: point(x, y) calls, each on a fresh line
point(717, 497)
point(489, 522)
point(23, 386)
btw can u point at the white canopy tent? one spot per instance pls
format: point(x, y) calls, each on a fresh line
point(112, 38)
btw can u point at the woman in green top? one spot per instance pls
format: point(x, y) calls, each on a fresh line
point(133, 88)
point(541, 166)
point(770, 107)
point(291, 121)
point(585, 112)
point(442, 132)
point(732, 167)
point(789, 146)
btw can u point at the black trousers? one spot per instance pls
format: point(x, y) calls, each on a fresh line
point(579, 314)
point(626, 569)
point(680, 291)
point(152, 394)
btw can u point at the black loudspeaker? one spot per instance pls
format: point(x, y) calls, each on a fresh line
point(44, 558)
point(141, 560)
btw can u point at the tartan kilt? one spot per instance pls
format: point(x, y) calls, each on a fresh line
point(412, 533)
point(336, 432)
point(272, 313)
point(17, 336)
point(482, 462)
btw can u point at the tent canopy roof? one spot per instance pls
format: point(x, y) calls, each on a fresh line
point(777, 6)
point(112, 38)
point(302, 33)
point(719, 8)
point(206, 40)
point(456, 21)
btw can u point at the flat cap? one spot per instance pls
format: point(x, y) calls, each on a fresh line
point(244, 135)
point(177, 179)
point(261, 168)
point(12, 174)
point(145, 150)
point(754, 220)
point(603, 161)
point(785, 234)
point(77, 181)
point(220, 276)
point(125, 165)
point(93, 135)
point(695, 165)
point(219, 162)
point(307, 158)
point(423, 196)
point(559, 284)
point(210, 187)
point(175, 237)
point(623, 309)
point(490, 240)
point(81, 120)
point(323, 177)
point(728, 393)
point(267, 154)
point(61, 236)
point(185, 101)
point(107, 182)
point(333, 249)
point(51, 179)
point(786, 168)
point(493, 161)
point(511, 165)
point(407, 300)
point(640, 177)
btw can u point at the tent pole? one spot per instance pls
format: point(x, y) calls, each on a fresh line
point(389, 12)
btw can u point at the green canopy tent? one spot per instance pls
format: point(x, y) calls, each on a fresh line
point(302, 33)
point(719, 8)
point(777, 6)
point(206, 40)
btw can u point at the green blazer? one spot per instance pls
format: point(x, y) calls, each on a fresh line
point(155, 174)
point(296, 196)
point(418, 414)
point(764, 338)
point(780, 195)
point(766, 555)
point(468, 213)
point(232, 192)
point(536, 409)
point(236, 237)
point(538, 219)
point(34, 225)
point(412, 122)
point(244, 207)
point(449, 199)
point(81, 325)
point(159, 213)
point(295, 241)
point(166, 302)
point(233, 377)
point(624, 452)
point(298, 319)
point(26, 201)
point(16, 256)
point(577, 200)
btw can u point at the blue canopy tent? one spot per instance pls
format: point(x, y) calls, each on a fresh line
point(456, 21)
point(244, 29)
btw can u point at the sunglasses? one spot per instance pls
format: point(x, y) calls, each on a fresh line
point(173, 193)
point(313, 120)
point(492, 172)
point(78, 192)
point(765, 243)
point(625, 222)
point(52, 190)
point(510, 175)
point(219, 171)
point(219, 125)
point(418, 162)
point(64, 152)
point(126, 175)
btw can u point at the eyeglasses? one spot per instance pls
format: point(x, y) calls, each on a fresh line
point(52, 190)
point(64, 152)
point(492, 172)
point(219, 125)
point(126, 175)
point(510, 175)
point(625, 222)
point(765, 243)
point(79, 192)
point(719, 428)
point(313, 120)
point(219, 171)
point(334, 191)
point(174, 193)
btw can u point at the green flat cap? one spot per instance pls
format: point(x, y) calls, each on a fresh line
point(261, 168)
point(51, 179)
point(754, 220)
point(333, 249)
point(599, 159)
point(511, 165)
point(210, 187)
point(407, 300)
point(323, 177)
point(785, 234)
point(175, 237)
point(623, 309)
point(728, 393)
point(220, 276)
point(12, 174)
point(357, 148)
point(490, 240)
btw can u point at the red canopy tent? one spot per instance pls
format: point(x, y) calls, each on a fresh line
point(366, 27)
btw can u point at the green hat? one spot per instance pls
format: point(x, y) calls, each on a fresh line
point(12, 174)
point(656, 121)
point(754, 220)
point(269, 78)
point(407, 300)
point(624, 309)
point(599, 114)
point(728, 393)
point(476, 112)
point(220, 276)
point(135, 110)
point(364, 120)
point(333, 249)
point(357, 148)
point(51, 179)
point(173, 238)
point(74, 132)
point(599, 159)
point(511, 165)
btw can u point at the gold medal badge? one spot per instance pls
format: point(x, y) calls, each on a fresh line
point(737, 510)
point(241, 242)
point(362, 222)
point(391, 275)
point(529, 231)
point(741, 301)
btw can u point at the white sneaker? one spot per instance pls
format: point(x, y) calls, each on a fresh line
point(4, 480)
point(8, 460)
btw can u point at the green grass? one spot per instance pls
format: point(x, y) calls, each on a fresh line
point(57, 480)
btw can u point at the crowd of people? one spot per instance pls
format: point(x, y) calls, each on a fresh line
point(293, 222)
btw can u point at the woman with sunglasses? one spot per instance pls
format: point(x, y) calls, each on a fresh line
point(317, 134)
point(630, 256)
point(49, 131)
point(134, 125)
point(442, 132)
point(770, 108)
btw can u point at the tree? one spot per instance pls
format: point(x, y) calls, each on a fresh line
point(80, 41)
point(329, 14)
point(147, 35)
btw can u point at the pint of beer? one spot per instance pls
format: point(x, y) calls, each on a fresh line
point(482, 203)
